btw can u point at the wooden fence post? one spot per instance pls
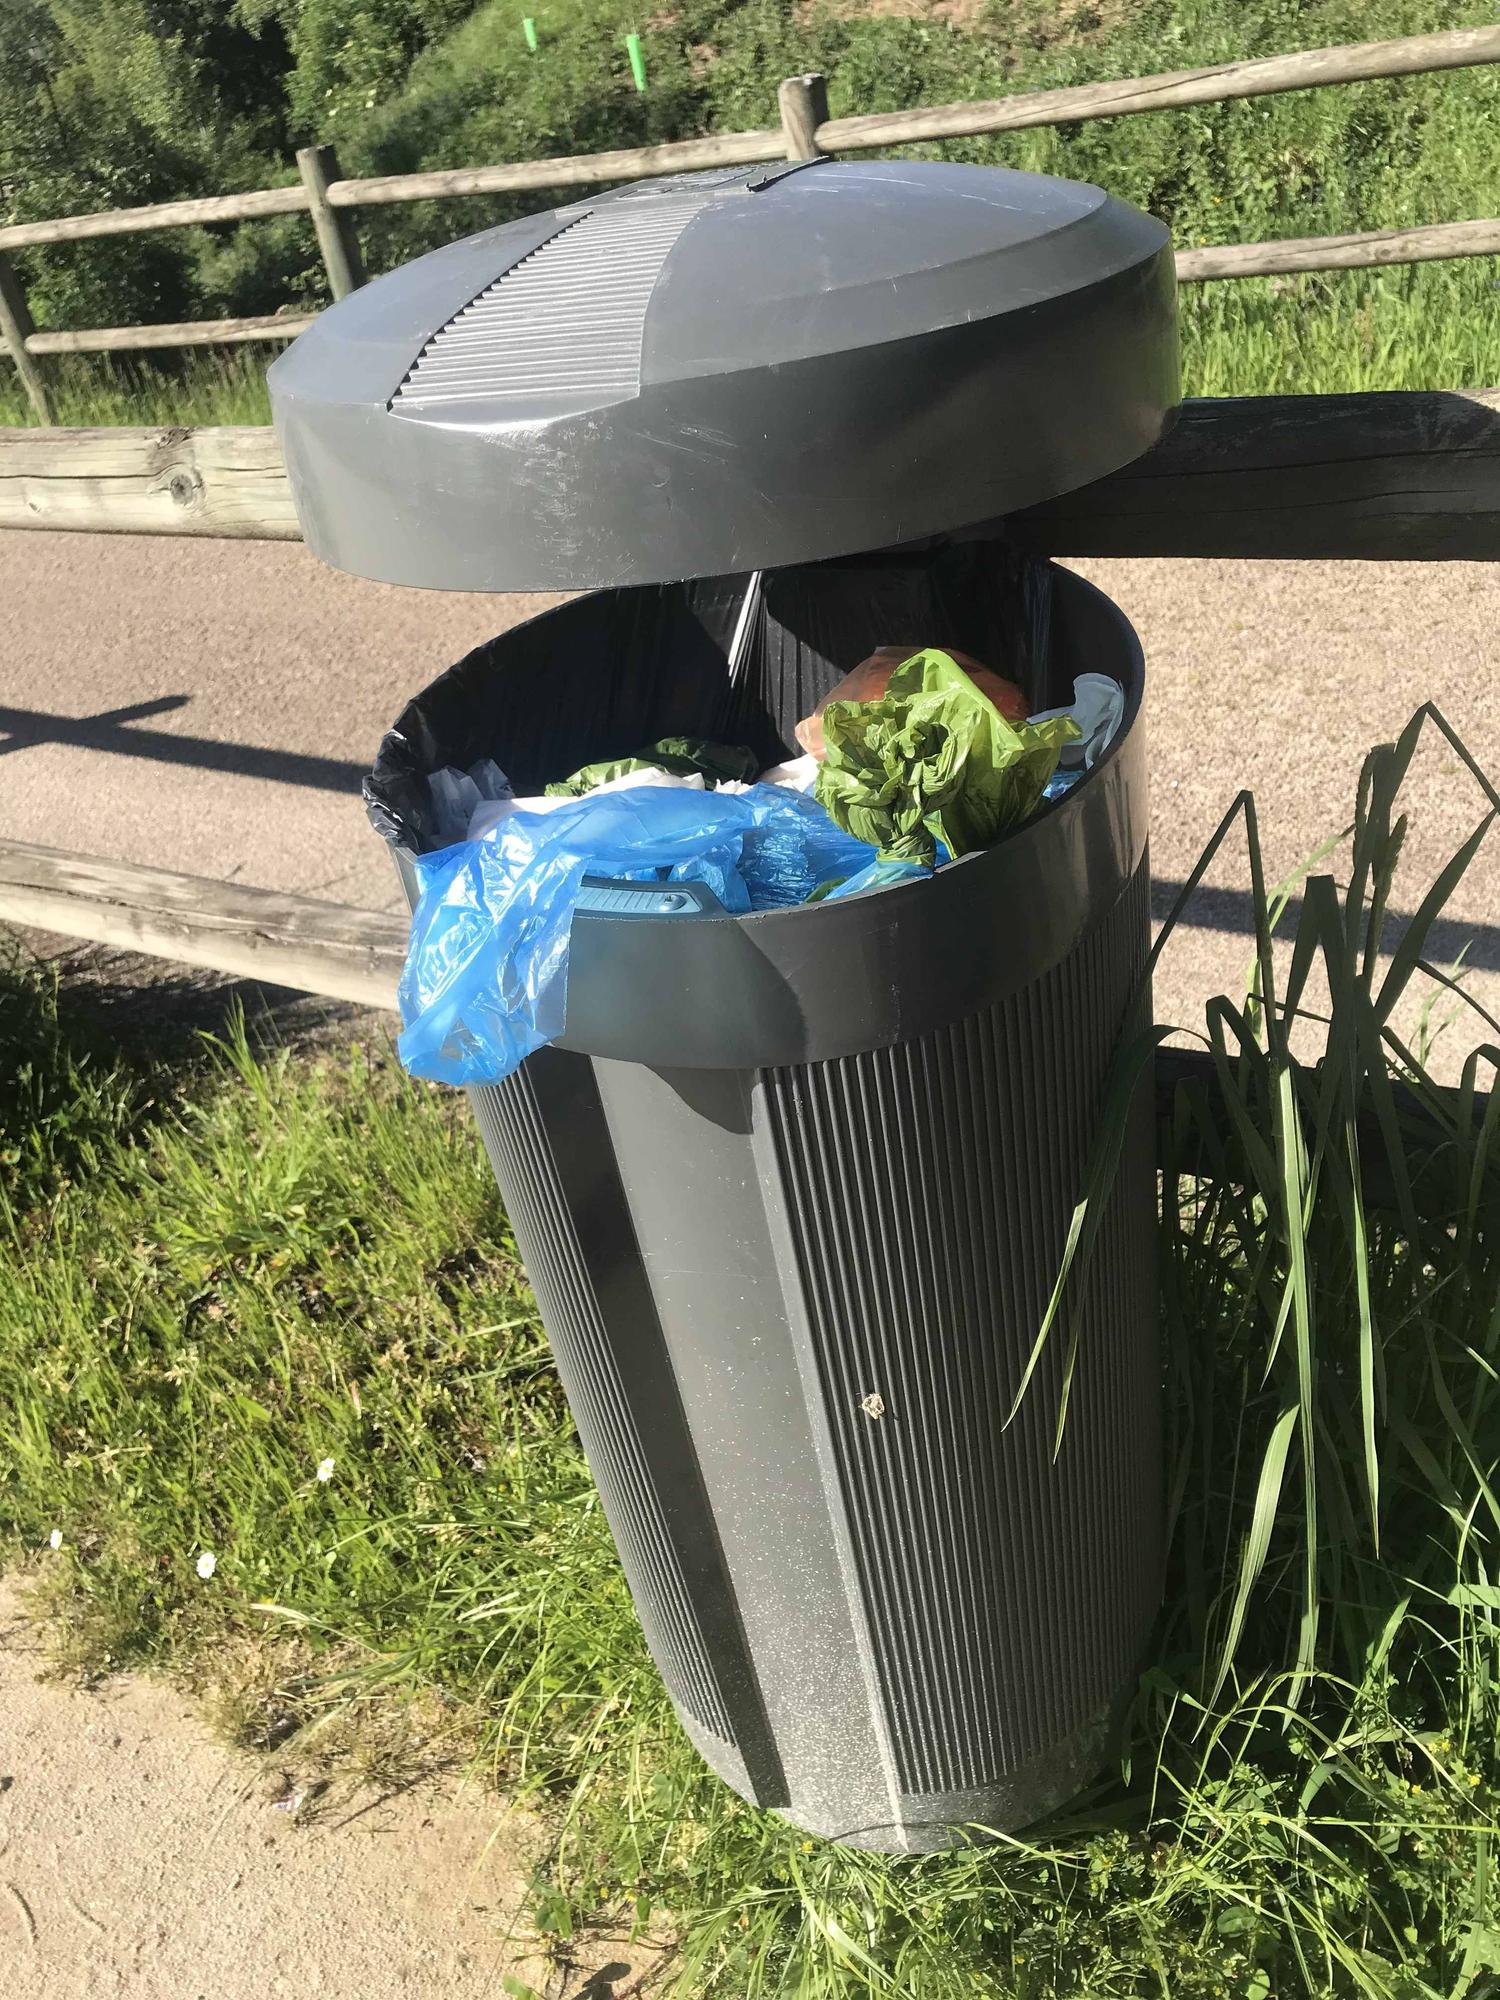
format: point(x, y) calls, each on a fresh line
point(337, 240)
point(804, 107)
point(16, 326)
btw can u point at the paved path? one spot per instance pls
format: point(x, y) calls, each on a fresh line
point(209, 706)
point(140, 1860)
point(1280, 677)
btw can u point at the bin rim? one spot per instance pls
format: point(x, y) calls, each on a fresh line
point(771, 987)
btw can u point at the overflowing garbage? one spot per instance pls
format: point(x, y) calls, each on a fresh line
point(933, 763)
point(916, 758)
point(1098, 708)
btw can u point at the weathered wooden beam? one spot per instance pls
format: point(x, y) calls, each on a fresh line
point(632, 163)
point(1411, 55)
point(1383, 477)
point(1403, 475)
point(17, 330)
point(1341, 253)
point(183, 333)
point(804, 107)
point(282, 940)
point(159, 215)
point(225, 481)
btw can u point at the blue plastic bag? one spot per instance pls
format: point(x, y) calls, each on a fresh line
point(793, 848)
point(878, 875)
point(486, 976)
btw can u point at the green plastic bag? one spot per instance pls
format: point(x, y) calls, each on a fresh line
point(681, 755)
point(933, 760)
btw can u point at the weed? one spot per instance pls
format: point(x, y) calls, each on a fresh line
point(282, 1322)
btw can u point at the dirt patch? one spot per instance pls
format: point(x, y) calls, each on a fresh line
point(1020, 21)
point(140, 1860)
point(969, 14)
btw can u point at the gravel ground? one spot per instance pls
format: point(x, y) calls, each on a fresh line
point(209, 706)
point(1280, 677)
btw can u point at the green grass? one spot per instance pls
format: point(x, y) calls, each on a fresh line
point(1424, 326)
point(217, 386)
point(1428, 326)
point(227, 1266)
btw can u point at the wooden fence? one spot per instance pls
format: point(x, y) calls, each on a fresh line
point(280, 940)
point(805, 132)
point(1400, 475)
point(1406, 474)
point(1365, 476)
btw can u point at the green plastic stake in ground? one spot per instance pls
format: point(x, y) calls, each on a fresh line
point(637, 60)
point(528, 29)
point(933, 760)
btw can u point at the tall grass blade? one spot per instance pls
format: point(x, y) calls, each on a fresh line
point(1257, 1544)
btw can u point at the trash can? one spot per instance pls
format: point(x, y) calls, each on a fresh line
point(793, 1188)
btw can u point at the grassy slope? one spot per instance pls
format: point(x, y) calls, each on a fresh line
point(1309, 163)
point(222, 1273)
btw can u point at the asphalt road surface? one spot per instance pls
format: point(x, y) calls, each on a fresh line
point(209, 707)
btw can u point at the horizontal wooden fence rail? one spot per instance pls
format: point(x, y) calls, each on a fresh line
point(224, 480)
point(185, 333)
point(157, 215)
point(1238, 260)
point(1264, 76)
point(355, 956)
point(1391, 476)
point(1413, 55)
point(631, 163)
point(1388, 476)
point(1370, 247)
point(282, 940)
point(805, 132)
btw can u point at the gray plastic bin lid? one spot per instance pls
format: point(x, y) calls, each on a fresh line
point(729, 371)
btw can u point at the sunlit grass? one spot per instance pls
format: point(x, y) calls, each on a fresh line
point(1424, 326)
point(221, 1273)
point(1421, 326)
point(196, 386)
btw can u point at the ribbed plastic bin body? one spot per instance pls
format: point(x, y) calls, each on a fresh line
point(793, 1188)
point(793, 1193)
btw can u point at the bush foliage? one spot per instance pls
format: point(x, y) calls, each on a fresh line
point(105, 103)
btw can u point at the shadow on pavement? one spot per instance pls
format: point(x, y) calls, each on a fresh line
point(116, 731)
point(1232, 910)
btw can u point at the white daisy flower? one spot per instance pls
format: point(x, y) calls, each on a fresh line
point(208, 1562)
point(325, 1470)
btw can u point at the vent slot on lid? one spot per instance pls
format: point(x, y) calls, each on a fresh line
point(566, 321)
